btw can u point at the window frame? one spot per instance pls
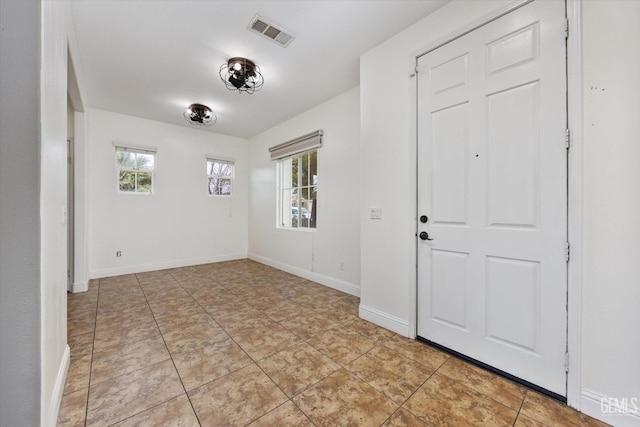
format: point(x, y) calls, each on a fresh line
point(281, 170)
point(231, 178)
point(124, 148)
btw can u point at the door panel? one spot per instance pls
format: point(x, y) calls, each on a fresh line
point(448, 294)
point(512, 155)
point(492, 181)
point(449, 165)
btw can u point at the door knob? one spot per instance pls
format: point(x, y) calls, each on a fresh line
point(425, 236)
point(424, 219)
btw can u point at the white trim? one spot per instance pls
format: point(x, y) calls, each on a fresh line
point(387, 321)
point(492, 16)
point(340, 285)
point(141, 268)
point(79, 287)
point(596, 405)
point(574, 202)
point(412, 331)
point(58, 389)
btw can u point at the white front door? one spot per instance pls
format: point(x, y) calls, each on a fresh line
point(492, 187)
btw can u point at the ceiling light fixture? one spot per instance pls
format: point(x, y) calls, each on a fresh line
point(200, 115)
point(242, 75)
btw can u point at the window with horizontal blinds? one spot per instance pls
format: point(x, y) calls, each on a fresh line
point(304, 143)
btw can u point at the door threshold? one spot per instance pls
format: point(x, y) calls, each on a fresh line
point(527, 384)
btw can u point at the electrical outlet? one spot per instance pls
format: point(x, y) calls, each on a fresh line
point(375, 212)
point(341, 266)
point(119, 254)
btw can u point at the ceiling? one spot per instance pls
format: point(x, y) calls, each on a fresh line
point(150, 58)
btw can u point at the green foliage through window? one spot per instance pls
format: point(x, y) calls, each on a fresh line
point(298, 188)
point(135, 170)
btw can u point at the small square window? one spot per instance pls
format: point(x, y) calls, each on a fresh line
point(220, 177)
point(135, 169)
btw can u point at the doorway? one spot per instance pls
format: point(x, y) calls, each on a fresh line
point(492, 195)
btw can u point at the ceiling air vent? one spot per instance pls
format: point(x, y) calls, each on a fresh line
point(270, 31)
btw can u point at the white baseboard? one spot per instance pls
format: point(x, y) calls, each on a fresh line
point(141, 268)
point(330, 282)
point(387, 321)
point(58, 389)
point(80, 287)
point(620, 411)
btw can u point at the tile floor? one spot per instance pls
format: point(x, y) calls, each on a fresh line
point(240, 343)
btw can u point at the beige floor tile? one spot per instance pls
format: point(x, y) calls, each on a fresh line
point(221, 309)
point(115, 319)
point(550, 412)
point(88, 315)
point(341, 345)
point(174, 413)
point(285, 415)
point(164, 307)
point(73, 409)
point(124, 296)
point(209, 363)
point(524, 421)
point(265, 341)
point(241, 322)
point(76, 311)
point(298, 367)
point(182, 320)
point(119, 303)
point(236, 399)
point(396, 376)
point(275, 317)
point(444, 402)
point(78, 374)
point(281, 311)
point(342, 399)
point(194, 337)
point(369, 330)
point(417, 351)
point(308, 324)
point(340, 311)
point(80, 326)
point(116, 361)
point(404, 418)
point(154, 294)
point(81, 345)
point(119, 398)
point(113, 337)
point(484, 382)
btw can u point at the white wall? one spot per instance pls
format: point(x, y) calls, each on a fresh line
point(180, 224)
point(388, 144)
point(316, 255)
point(20, 365)
point(611, 200)
point(611, 224)
point(53, 201)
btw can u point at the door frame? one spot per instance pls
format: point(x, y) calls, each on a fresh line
point(573, 13)
point(71, 233)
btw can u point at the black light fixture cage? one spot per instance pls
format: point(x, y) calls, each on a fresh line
point(241, 74)
point(200, 115)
